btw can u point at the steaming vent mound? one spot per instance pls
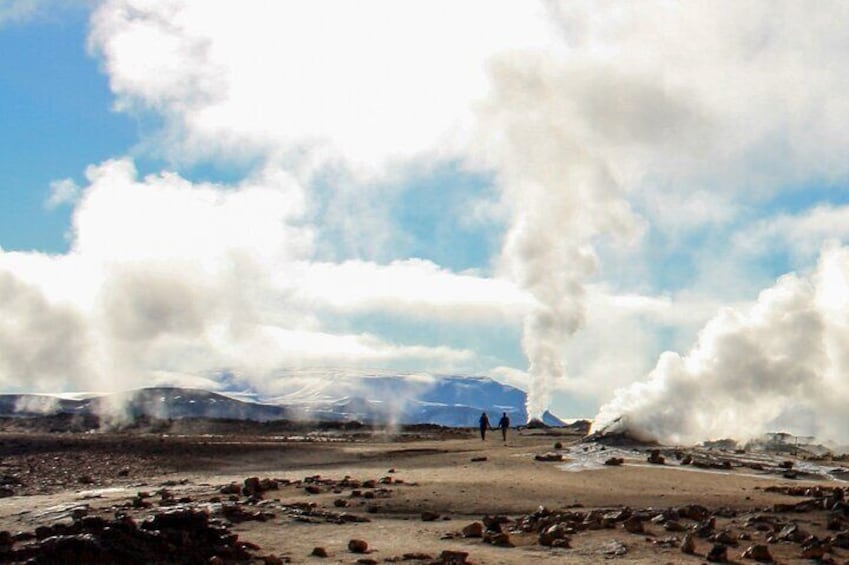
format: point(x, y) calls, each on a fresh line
point(618, 433)
point(537, 424)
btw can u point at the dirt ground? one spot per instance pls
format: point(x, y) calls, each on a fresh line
point(409, 495)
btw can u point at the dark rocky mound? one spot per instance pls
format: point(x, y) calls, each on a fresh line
point(618, 438)
point(536, 424)
point(180, 536)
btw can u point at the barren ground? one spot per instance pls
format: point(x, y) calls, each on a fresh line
point(56, 477)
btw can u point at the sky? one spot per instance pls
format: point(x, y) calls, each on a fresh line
point(635, 212)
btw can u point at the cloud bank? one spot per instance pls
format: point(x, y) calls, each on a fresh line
point(646, 161)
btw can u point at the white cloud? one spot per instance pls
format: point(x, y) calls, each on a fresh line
point(64, 191)
point(412, 288)
point(694, 114)
point(170, 279)
point(365, 82)
point(801, 234)
point(15, 11)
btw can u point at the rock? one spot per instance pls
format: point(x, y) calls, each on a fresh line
point(549, 457)
point(674, 526)
point(813, 550)
point(614, 461)
point(718, 553)
point(312, 489)
point(340, 503)
point(693, 512)
point(450, 557)
point(357, 546)
point(428, 516)
point(656, 458)
point(319, 552)
point(555, 533)
point(473, 530)
point(558, 445)
point(634, 525)
point(687, 459)
point(416, 556)
point(705, 528)
point(478, 459)
point(688, 546)
point(758, 552)
point(493, 523)
point(724, 537)
point(614, 549)
point(232, 488)
point(499, 539)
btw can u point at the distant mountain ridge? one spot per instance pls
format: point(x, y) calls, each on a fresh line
point(385, 399)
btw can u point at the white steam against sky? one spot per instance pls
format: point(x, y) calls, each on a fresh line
point(621, 139)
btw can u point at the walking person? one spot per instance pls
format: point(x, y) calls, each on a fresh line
point(484, 423)
point(504, 423)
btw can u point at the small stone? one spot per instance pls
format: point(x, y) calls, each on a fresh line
point(688, 546)
point(656, 458)
point(473, 530)
point(758, 552)
point(614, 461)
point(718, 553)
point(357, 546)
point(319, 552)
point(634, 525)
point(499, 539)
point(450, 557)
point(429, 516)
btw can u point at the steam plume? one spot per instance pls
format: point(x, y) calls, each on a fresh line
point(564, 197)
point(779, 365)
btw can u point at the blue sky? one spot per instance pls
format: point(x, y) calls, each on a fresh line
point(554, 204)
point(57, 120)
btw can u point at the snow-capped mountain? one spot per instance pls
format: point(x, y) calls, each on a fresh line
point(400, 399)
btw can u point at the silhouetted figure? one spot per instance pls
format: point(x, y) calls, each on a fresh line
point(484, 422)
point(504, 423)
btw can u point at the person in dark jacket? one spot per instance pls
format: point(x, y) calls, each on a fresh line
point(504, 423)
point(484, 423)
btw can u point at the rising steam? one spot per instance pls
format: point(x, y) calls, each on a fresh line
point(779, 365)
